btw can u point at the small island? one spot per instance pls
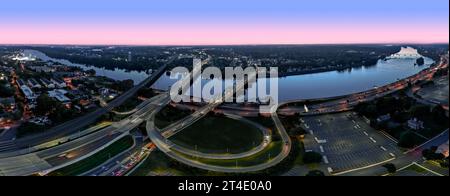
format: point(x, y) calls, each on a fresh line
point(420, 61)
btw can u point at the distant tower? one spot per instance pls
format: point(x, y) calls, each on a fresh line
point(129, 57)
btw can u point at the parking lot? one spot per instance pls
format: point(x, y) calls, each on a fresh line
point(415, 170)
point(437, 93)
point(347, 142)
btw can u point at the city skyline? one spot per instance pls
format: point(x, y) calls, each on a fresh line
point(201, 22)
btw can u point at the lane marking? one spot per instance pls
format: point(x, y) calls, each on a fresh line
point(330, 170)
point(361, 168)
point(325, 159)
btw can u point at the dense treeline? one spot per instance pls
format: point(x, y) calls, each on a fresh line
point(315, 58)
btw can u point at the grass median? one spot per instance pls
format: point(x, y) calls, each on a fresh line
point(220, 135)
point(95, 160)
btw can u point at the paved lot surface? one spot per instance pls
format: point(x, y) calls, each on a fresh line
point(415, 170)
point(437, 93)
point(347, 142)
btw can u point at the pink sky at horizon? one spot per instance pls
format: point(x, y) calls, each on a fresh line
point(227, 34)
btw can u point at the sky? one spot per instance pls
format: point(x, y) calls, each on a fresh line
point(223, 22)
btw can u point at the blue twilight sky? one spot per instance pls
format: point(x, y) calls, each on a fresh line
point(195, 16)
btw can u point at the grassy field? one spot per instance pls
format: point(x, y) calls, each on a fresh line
point(158, 163)
point(416, 168)
point(96, 159)
point(130, 104)
point(219, 135)
point(169, 115)
point(264, 156)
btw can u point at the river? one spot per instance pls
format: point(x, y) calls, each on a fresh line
point(307, 86)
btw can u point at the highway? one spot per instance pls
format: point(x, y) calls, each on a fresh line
point(335, 104)
point(161, 142)
point(51, 157)
point(346, 103)
point(70, 152)
point(160, 138)
point(75, 125)
point(264, 143)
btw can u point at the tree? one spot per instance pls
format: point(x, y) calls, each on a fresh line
point(420, 61)
point(91, 72)
point(146, 92)
point(62, 114)
point(297, 132)
point(312, 157)
point(444, 163)
point(6, 91)
point(407, 139)
point(438, 113)
point(124, 85)
point(391, 168)
point(315, 173)
point(430, 154)
point(420, 111)
point(45, 105)
point(29, 129)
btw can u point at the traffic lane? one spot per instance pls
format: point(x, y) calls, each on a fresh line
point(80, 152)
point(76, 124)
point(76, 143)
point(117, 160)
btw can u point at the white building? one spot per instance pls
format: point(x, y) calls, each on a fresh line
point(28, 93)
point(406, 52)
point(59, 95)
point(415, 124)
point(384, 118)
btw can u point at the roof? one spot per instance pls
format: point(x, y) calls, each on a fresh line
point(59, 94)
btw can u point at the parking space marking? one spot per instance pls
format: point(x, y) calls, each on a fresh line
point(325, 159)
point(321, 149)
point(344, 145)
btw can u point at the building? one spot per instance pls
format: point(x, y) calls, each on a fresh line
point(443, 149)
point(27, 92)
point(384, 118)
point(130, 58)
point(415, 124)
point(33, 83)
point(8, 103)
point(47, 83)
point(41, 121)
point(24, 58)
point(406, 52)
point(59, 95)
point(3, 77)
point(44, 69)
point(59, 83)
